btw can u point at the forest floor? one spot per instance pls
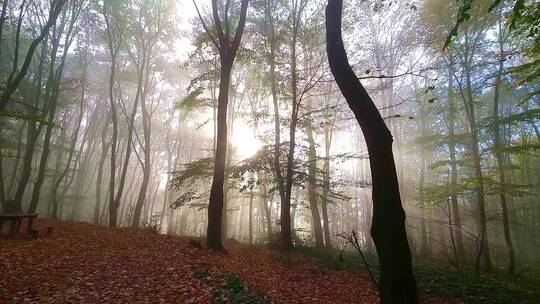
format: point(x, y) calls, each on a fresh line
point(83, 263)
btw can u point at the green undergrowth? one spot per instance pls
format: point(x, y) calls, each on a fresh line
point(443, 280)
point(234, 291)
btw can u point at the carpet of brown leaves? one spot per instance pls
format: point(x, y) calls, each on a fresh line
point(83, 263)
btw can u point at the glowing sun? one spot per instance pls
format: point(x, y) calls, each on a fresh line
point(244, 141)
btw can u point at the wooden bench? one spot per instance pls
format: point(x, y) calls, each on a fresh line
point(16, 219)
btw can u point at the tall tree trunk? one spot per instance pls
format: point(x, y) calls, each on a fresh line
point(44, 154)
point(55, 76)
point(79, 119)
point(113, 207)
point(215, 207)
point(277, 126)
point(2, 20)
point(166, 192)
point(460, 247)
point(397, 283)
point(250, 216)
point(326, 186)
point(104, 149)
point(17, 158)
point(500, 157)
point(113, 46)
point(312, 183)
point(267, 211)
point(286, 220)
point(127, 155)
point(57, 181)
point(2, 189)
point(13, 83)
point(32, 133)
point(147, 166)
point(227, 52)
point(425, 248)
point(483, 251)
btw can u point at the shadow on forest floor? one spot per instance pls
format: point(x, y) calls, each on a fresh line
point(443, 280)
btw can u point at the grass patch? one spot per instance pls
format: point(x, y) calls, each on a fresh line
point(234, 291)
point(443, 280)
point(336, 260)
point(493, 288)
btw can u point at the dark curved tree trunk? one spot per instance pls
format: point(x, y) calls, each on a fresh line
point(55, 78)
point(397, 283)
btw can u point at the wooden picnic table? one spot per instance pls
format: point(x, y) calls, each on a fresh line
point(16, 219)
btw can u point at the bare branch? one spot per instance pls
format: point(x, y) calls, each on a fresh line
point(241, 25)
point(205, 27)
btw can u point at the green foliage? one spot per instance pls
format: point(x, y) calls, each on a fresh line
point(524, 19)
point(152, 225)
point(194, 100)
point(463, 15)
point(28, 117)
point(234, 291)
point(193, 172)
point(472, 288)
point(190, 180)
point(335, 260)
point(436, 279)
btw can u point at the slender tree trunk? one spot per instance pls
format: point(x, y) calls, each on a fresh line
point(2, 189)
point(425, 249)
point(14, 83)
point(326, 187)
point(17, 159)
point(147, 166)
point(32, 134)
point(312, 184)
point(227, 53)
point(277, 126)
point(3, 20)
point(56, 183)
point(250, 215)
point(127, 156)
point(104, 150)
point(286, 222)
point(166, 193)
point(113, 207)
point(482, 220)
point(500, 157)
point(268, 212)
point(56, 78)
point(113, 45)
point(453, 166)
point(44, 155)
point(397, 283)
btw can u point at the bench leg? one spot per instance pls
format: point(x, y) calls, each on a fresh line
point(13, 228)
point(30, 221)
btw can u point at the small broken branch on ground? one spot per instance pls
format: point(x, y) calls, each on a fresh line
point(353, 240)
